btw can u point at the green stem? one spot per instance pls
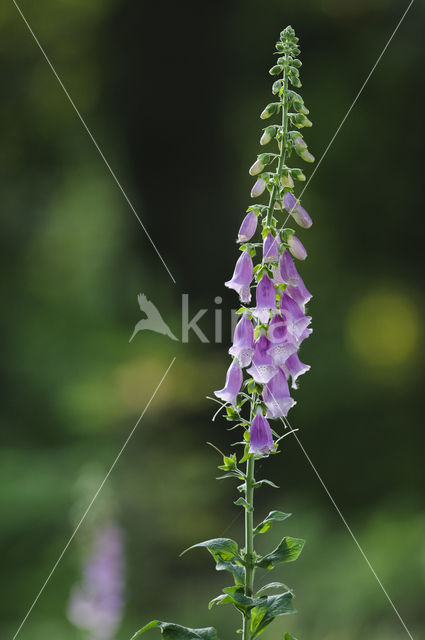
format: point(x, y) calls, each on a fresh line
point(249, 542)
point(281, 162)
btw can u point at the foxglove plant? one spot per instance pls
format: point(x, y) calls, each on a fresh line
point(266, 343)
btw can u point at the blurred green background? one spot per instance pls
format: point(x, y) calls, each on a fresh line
point(172, 93)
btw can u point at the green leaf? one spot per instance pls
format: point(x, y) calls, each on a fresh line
point(221, 599)
point(272, 585)
point(289, 637)
point(237, 571)
point(269, 482)
point(274, 516)
point(241, 502)
point(230, 474)
point(288, 550)
point(239, 599)
point(269, 609)
point(220, 548)
point(172, 631)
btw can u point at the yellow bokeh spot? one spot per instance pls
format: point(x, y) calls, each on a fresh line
point(384, 329)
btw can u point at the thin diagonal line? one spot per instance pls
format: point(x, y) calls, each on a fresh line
point(94, 141)
point(93, 499)
point(351, 533)
point(341, 124)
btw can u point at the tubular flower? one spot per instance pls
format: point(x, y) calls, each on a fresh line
point(276, 396)
point(298, 212)
point(233, 384)
point(243, 342)
point(263, 368)
point(294, 367)
point(258, 188)
point(270, 248)
point(248, 227)
point(282, 343)
point(260, 435)
point(266, 299)
point(242, 277)
point(288, 270)
point(296, 321)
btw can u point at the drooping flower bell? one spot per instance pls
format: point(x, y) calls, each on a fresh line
point(298, 212)
point(270, 248)
point(296, 320)
point(281, 343)
point(258, 188)
point(266, 299)
point(243, 341)
point(263, 368)
point(276, 396)
point(294, 367)
point(300, 294)
point(260, 435)
point(288, 270)
point(248, 227)
point(242, 277)
point(233, 384)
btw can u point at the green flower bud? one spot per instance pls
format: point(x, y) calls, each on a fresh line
point(300, 120)
point(269, 133)
point(300, 107)
point(297, 63)
point(270, 110)
point(277, 84)
point(298, 175)
point(280, 47)
point(296, 82)
point(275, 70)
point(286, 181)
point(307, 156)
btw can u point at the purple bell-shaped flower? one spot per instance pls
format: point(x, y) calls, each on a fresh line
point(243, 342)
point(260, 435)
point(270, 248)
point(233, 384)
point(296, 321)
point(276, 396)
point(242, 277)
point(266, 299)
point(294, 367)
point(282, 343)
point(263, 368)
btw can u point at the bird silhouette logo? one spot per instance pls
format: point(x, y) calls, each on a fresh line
point(153, 321)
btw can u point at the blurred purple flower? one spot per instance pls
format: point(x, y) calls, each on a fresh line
point(96, 604)
point(296, 321)
point(233, 384)
point(243, 341)
point(288, 270)
point(260, 435)
point(242, 277)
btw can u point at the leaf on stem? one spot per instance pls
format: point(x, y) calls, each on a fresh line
point(172, 631)
point(287, 551)
point(274, 516)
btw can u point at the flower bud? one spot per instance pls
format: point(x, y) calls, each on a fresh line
point(275, 70)
point(257, 167)
point(286, 181)
point(307, 156)
point(269, 133)
point(277, 84)
point(270, 110)
point(248, 227)
point(296, 247)
point(258, 188)
point(300, 120)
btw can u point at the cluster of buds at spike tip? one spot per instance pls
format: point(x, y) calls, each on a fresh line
point(269, 335)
